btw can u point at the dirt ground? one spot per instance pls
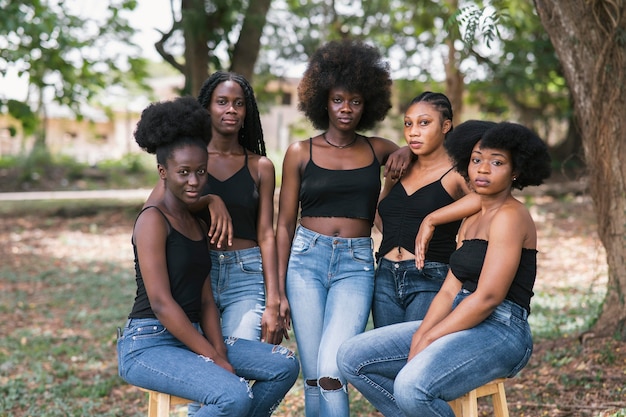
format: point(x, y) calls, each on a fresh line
point(565, 377)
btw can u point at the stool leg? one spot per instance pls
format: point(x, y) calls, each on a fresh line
point(500, 407)
point(163, 405)
point(457, 408)
point(153, 405)
point(470, 404)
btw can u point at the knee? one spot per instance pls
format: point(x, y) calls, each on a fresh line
point(408, 394)
point(289, 367)
point(327, 383)
point(237, 400)
point(346, 359)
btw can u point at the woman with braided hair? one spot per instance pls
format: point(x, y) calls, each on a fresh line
point(244, 274)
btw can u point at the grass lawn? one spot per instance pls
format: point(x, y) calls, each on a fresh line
point(66, 283)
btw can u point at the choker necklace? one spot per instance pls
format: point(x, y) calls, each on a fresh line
point(339, 146)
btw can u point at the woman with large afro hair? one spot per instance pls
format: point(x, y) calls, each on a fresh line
point(328, 196)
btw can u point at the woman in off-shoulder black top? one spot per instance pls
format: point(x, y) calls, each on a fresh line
point(476, 328)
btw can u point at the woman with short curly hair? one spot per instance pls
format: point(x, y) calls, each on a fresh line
point(476, 329)
point(333, 181)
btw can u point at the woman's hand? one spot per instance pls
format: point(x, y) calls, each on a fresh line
point(418, 344)
point(397, 163)
point(271, 325)
point(424, 234)
point(223, 362)
point(221, 227)
point(285, 316)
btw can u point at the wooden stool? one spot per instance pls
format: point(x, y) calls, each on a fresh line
point(159, 404)
point(467, 405)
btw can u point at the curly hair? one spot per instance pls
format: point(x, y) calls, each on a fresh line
point(530, 157)
point(251, 132)
point(440, 102)
point(350, 64)
point(168, 125)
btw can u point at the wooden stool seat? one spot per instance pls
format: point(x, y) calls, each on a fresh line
point(159, 403)
point(467, 405)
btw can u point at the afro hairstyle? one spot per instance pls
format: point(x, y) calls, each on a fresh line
point(530, 157)
point(349, 64)
point(167, 125)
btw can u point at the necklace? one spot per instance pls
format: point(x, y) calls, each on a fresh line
point(339, 146)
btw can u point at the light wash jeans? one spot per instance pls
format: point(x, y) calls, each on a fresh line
point(376, 362)
point(402, 292)
point(149, 356)
point(239, 291)
point(330, 281)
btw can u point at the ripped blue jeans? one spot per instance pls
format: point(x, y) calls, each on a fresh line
point(330, 282)
point(149, 356)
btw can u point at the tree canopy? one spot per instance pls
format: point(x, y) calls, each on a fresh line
point(66, 58)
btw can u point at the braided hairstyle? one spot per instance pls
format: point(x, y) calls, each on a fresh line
point(251, 132)
point(168, 125)
point(350, 64)
point(440, 102)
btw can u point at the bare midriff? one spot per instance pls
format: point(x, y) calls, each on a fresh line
point(338, 226)
point(238, 244)
point(399, 254)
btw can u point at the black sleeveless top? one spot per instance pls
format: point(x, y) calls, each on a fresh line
point(467, 262)
point(351, 193)
point(402, 215)
point(188, 266)
point(241, 197)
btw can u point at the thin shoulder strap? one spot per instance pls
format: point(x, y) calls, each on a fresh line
point(245, 155)
point(310, 149)
point(446, 173)
point(169, 225)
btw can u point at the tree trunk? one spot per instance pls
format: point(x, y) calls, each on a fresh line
point(196, 46)
point(247, 48)
point(588, 36)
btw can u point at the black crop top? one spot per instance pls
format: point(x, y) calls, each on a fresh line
point(402, 215)
point(351, 193)
point(241, 197)
point(188, 266)
point(467, 262)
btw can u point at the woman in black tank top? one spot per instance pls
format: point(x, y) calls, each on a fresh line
point(327, 264)
point(402, 292)
point(173, 333)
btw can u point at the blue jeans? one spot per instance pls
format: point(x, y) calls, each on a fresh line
point(402, 292)
point(330, 281)
point(149, 356)
point(376, 362)
point(239, 291)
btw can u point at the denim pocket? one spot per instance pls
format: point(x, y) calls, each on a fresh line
point(501, 315)
point(363, 254)
point(145, 332)
point(251, 265)
point(300, 245)
point(436, 271)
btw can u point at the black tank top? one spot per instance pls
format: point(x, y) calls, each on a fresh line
point(402, 215)
point(467, 262)
point(241, 196)
point(188, 266)
point(351, 193)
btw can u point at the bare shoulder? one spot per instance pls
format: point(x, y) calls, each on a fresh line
point(382, 146)
point(514, 219)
